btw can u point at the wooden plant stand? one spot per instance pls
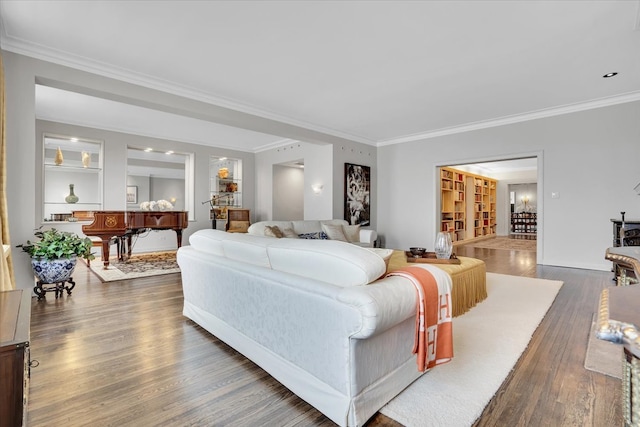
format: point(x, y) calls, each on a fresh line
point(42, 288)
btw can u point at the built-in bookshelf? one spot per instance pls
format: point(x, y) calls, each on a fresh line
point(453, 215)
point(468, 204)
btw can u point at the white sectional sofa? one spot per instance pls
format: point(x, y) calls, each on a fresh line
point(366, 237)
point(317, 315)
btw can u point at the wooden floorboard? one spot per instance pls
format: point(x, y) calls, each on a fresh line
point(122, 354)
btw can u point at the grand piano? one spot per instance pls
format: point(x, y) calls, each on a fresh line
point(122, 225)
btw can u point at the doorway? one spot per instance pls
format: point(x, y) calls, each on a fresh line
point(523, 207)
point(523, 173)
point(288, 191)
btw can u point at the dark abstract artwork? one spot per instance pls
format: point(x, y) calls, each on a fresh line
point(357, 207)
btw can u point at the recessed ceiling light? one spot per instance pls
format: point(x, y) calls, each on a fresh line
point(606, 76)
point(169, 152)
point(148, 150)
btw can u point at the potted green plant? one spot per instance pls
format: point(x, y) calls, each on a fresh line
point(54, 256)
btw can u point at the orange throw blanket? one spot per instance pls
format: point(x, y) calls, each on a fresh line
point(433, 342)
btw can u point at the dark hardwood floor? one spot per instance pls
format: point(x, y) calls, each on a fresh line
point(122, 354)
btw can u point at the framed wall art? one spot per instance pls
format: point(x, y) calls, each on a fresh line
point(357, 190)
point(132, 194)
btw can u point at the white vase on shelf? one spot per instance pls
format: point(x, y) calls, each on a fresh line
point(86, 159)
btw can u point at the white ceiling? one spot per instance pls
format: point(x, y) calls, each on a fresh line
point(377, 72)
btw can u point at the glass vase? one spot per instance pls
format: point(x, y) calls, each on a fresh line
point(443, 245)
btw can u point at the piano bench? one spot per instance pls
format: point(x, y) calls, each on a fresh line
point(96, 241)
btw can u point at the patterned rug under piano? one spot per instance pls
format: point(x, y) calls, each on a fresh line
point(139, 265)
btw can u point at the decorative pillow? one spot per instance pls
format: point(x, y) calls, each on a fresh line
point(352, 233)
point(238, 226)
point(273, 231)
point(385, 254)
point(318, 235)
point(334, 232)
point(289, 233)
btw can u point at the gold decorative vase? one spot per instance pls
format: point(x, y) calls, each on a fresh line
point(58, 159)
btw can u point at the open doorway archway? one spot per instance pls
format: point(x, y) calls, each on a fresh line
point(523, 171)
point(288, 191)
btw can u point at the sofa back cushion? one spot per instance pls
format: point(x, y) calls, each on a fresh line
point(247, 248)
point(334, 262)
point(306, 226)
point(257, 228)
point(208, 241)
point(240, 247)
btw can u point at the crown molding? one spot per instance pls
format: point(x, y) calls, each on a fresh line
point(274, 145)
point(15, 45)
point(540, 114)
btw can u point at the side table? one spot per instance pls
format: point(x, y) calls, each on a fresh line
point(626, 260)
point(618, 317)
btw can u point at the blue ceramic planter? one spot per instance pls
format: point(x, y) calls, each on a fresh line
point(53, 271)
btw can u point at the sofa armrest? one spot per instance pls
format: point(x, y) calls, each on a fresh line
point(368, 237)
point(382, 304)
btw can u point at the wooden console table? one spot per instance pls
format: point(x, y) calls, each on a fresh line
point(15, 320)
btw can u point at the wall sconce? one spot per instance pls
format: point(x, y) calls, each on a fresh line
point(317, 188)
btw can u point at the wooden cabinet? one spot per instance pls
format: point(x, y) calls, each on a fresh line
point(468, 204)
point(524, 222)
point(238, 220)
point(631, 232)
point(15, 314)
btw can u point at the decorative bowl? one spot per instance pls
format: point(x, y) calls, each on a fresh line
point(417, 252)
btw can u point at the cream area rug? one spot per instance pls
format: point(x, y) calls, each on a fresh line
point(506, 243)
point(603, 356)
point(139, 265)
point(488, 341)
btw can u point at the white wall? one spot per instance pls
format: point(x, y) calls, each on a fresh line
point(590, 158)
point(24, 165)
point(323, 164)
point(317, 170)
point(288, 193)
point(167, 189)
point(142, 182)
point(503, 214)
point(530, 191)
